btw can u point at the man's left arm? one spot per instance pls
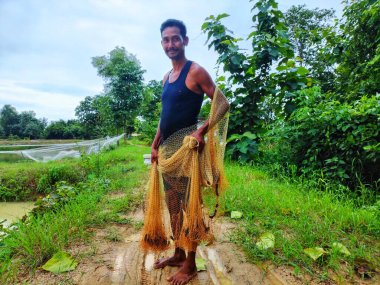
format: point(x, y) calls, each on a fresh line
point(204, 81)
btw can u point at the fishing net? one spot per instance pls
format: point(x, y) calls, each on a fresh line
point(182, 171)
point(59, 151)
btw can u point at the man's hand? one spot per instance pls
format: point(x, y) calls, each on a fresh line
point(200, 138)
point(154, 155)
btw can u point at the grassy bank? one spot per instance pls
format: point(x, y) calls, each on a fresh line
point(33, 243)
point(300, 218)
point(28, 180)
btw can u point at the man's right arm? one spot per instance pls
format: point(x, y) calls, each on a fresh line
point(155, 145)
point(157, 138)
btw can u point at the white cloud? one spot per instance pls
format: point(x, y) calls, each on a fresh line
point(46, 46)
point(51, 105)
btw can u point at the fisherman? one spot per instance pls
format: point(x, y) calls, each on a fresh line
point(183, 91)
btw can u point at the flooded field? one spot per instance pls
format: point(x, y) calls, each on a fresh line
point(11, 158)
point(11, 211)
point(10, 145)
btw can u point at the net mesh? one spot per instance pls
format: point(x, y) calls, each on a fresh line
point(59, 151)
point(184, 172)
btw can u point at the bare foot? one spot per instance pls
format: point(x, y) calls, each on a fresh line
point(175, 261)
point(184, 274)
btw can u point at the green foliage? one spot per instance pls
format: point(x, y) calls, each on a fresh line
point(331, 134)
point(24, 182)
point(40, 236)
point(261, 84)
point(23, 125)
point(150, 110)
point(75, 209)
point(62, 194)
point(60, 262)
point(359, 67)
point(299, 216)
point(95, 114)
point(338, 140)
point(9, 120)
point(70, 129)
point(243, 147)
point(311, 33)
point(123, 83)
point(8, 194)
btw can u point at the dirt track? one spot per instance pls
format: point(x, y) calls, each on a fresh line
point(122, 262)
point(106, 262)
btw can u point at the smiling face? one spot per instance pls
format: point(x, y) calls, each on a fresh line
point(173, 43)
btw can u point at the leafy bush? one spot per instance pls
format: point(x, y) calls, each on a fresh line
point(28, 183)
point(242, 147)
point(341, 140)
point(148, 131)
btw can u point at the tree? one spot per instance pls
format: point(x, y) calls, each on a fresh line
point(9, 120)
point(335, 134)
point(73, 130)
point(2, 135)
point(70, 129)
point(95, 115)
point(261, 84)
point(309, 32)
point(87, 113)
point(23, 125)
point(55, 130)
point(31, 127)
point(150, 109)
point(103, 105)
point(359, 67)
point(123, 77)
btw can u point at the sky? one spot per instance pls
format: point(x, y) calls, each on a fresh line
point(46, 46)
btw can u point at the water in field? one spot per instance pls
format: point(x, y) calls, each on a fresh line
point(11, 158)
point(11, 211)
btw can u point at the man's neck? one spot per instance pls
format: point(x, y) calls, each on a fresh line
point(178, 64)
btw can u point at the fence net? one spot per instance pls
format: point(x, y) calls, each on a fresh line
point(59, 151)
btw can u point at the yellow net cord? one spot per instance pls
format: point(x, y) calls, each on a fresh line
point(184, 171)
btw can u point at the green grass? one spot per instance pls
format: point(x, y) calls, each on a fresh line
point(299, 218)
point(27, 180)
point(118, 171)
point(297, 215)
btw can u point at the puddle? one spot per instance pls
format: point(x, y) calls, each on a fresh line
point(149, 261)
point(12, 211)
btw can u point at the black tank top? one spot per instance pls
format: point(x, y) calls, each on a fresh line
point(180, 105)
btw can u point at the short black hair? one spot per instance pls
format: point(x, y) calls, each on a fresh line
point(174, 23)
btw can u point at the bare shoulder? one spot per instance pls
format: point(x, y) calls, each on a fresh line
point(202, 79)
point(198, 70)
point(165, 78)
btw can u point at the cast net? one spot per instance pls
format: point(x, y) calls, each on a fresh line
point(182, 171)
point(59, 151)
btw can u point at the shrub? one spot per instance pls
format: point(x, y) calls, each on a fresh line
point(340, 140)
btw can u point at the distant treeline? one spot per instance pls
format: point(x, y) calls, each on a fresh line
point(94, 119)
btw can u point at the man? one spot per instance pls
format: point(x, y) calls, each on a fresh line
point(183, 91)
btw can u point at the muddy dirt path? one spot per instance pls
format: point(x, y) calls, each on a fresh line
point(114, 257)
point(122, 262)
point(132, 266)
